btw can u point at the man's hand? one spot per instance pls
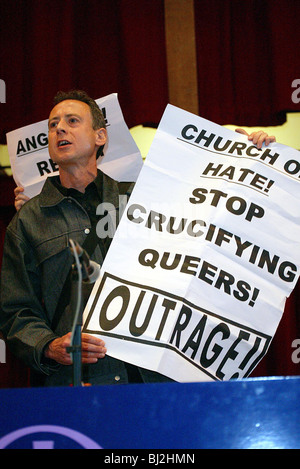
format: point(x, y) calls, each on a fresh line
point(258, 138)
point(20, 198)
point(92, 348)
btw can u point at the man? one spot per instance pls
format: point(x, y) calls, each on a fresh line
point(35, 291)
point(35, 283)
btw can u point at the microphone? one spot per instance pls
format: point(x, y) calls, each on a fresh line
point(90, 269)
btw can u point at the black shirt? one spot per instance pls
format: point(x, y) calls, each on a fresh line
point(90, 199)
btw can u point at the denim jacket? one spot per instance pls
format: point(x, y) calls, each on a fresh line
point(36, 262)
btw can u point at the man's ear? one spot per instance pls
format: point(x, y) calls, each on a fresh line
point(101, 137)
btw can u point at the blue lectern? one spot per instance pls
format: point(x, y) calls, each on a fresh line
point(248, 413)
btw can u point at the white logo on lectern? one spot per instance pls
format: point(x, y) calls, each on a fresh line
point(49, 443)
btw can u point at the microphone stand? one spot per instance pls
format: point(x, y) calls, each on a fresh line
point(81, 271)
point(75, 346)
point(76, 305)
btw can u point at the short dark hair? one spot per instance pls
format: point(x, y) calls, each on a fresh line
point(98, 120)
point(79, 95)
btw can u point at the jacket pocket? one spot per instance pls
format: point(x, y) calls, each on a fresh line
point(51, 247)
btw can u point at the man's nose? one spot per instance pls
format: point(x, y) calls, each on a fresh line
point(61, 127)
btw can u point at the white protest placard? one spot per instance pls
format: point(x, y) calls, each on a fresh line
point(31, 163)
point(206, 252)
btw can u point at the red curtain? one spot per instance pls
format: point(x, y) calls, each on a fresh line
point(247, 57)
point(101, 46)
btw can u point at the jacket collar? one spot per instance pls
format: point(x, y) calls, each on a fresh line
point(107, 189)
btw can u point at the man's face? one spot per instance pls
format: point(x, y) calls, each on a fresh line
point(72, 139)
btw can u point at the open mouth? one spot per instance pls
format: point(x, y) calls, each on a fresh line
point(63, 143)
